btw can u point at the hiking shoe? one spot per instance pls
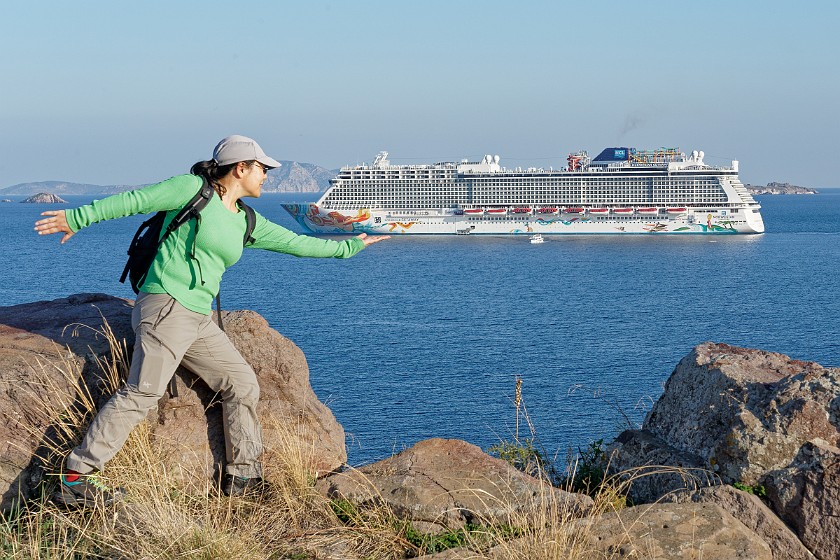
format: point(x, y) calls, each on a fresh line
point(241, 486)
point(87, 490)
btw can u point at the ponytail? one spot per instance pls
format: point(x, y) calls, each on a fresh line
point(212, 172)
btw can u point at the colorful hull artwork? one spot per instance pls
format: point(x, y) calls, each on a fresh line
point(365, 220)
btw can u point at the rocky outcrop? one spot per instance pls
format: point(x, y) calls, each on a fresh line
point(754, 417)
point(754, 514)
point(745, 412)
point(45, 198)
point(727, 414)
point(654, 468)
point(657, 532)
point(445, 484)
point(49, 350)
point(671, 531)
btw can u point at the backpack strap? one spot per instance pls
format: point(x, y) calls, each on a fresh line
point(250, 223)
point(191, 209)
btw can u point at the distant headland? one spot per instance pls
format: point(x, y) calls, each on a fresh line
point(779, 188)
point(292, 176)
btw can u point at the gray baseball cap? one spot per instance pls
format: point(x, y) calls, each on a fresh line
point(236, 148)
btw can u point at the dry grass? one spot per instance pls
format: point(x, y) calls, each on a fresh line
point(165, 514)
point(168, 515)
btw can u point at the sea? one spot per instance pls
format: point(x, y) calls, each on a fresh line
point(422, 337)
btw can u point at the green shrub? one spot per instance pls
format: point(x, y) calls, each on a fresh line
point(524, 455)
point(756, 490)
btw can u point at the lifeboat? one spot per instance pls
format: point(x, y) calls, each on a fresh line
point(676, 210)
point(473, 211)
point(599, 211)
point(522, 210)
point(547, 210)
point(648, 210)
point(574, 210)
point(495, 211)
point(622, 210)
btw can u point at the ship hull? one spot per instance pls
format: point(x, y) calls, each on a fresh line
point(446, 222)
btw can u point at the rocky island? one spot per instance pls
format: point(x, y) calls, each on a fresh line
point(44, 198)
point(737, 459)
point(779, 188)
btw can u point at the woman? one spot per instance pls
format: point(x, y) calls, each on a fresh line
point(171, 317)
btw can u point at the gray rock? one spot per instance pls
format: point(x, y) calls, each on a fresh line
point(745, 412)
point(754, 514)
point(44, 198)
point(444, 484)
point(754, 417)
point(650, 468)
point(49, 350)
point(674, 531)
point(807, 496)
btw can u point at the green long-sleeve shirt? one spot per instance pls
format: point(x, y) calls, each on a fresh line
point(218, 242)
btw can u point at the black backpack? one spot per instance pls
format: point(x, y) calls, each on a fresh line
point(148, 239)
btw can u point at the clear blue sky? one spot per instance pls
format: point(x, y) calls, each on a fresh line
point(134, 92)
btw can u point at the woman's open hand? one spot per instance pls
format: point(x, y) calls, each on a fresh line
point(56, 223)
point(370, 240)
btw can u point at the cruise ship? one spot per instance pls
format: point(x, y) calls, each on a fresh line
point(622, 191)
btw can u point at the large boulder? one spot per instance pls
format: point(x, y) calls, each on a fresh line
point(445, 484)
point(651, 468)
point(807, 496)
point(754, 514)
point(744, 412)
point(754, 417)
point(50, 354)
point(670, 531)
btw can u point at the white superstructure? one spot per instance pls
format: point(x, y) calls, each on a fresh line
point(623, 190)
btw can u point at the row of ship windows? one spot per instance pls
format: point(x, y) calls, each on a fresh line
point(530, 189)
point(577, 189)
point(479, 201)
point(554, 218)
point(531, 198)
point(525, 181)
point(411, 187)
point(379, 181)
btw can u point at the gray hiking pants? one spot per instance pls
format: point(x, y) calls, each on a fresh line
point(166, 335)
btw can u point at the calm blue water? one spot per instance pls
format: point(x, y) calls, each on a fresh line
point(423, 337)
